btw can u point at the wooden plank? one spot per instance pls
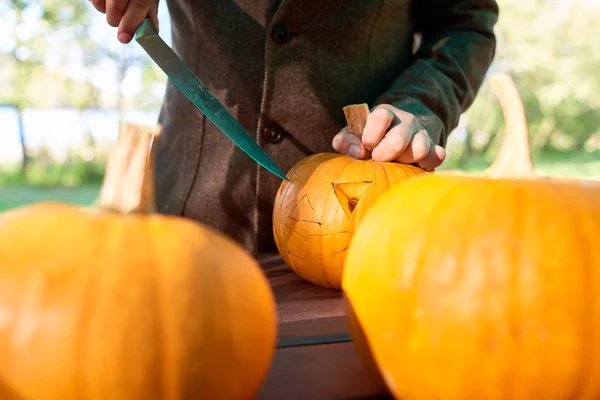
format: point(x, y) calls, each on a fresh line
point(313, 331)
point(320, 372)
point(290, 287)
point(331, 371)
point(319, 326)
point(314, 339)
point(303, 310)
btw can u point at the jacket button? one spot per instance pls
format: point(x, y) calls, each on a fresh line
point(280, 33)
point(272, 135)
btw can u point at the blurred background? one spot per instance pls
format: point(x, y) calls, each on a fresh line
point(66, 83)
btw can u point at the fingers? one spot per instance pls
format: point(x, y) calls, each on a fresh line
point(99, 5)
point(378, 123)
point(153, 14)
point(397, 140)
point(417, 149)
point(423, 152)
point(114, 11)
point(434, 158)
point(391, 134)
point(349, 144)
point(133, 15)
point(127, 15)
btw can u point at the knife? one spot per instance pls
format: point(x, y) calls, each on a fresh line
point(186, 81)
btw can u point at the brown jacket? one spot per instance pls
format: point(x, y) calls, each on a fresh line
point(285, 69)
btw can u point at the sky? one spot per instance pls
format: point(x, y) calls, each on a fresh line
point(62, 128)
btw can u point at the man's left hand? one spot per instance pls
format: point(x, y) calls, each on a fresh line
point(391, 135)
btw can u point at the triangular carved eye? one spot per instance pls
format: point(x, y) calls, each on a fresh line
point(303, 211)
point(349, 194)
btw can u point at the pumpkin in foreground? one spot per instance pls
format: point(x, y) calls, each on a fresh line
point(481, 287)
point(314, 210)
point(119, 303)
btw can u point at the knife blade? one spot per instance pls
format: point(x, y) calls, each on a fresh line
point(191, 86)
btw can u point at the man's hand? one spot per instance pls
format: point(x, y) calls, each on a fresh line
point(127, 15)
point(391, 135)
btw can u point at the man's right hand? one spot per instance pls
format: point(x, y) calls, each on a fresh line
point(127, 15)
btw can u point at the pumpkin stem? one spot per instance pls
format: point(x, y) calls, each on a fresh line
point(356, 118)
point(514, 157)
point(128, 185)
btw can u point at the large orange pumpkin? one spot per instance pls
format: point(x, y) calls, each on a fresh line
point(314, 210)
point(119, 303)
point(481, 287)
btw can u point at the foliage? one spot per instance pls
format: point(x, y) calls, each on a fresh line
point(82, 167)
point(34, 22)
point(55, 57)
point(18, 195)
point(47, 38)
point(547, 47)
point(41, 174)
point(549, 50)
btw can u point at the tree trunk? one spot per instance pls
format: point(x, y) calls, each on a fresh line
point(580, 141)
point(467, 151)
point(491, 141)
point(24, 152)
point(545, 132)
point(123, 66)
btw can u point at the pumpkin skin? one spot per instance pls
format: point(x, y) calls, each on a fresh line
point(315, 211)
point(480, 287)
point(99, 304)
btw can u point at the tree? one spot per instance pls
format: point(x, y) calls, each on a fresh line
point(33, 20)
point(548, 48)
point(38, 26)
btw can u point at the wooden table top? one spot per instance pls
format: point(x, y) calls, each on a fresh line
point(330, 371)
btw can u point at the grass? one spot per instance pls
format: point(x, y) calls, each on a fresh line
point(552, 163)
point(17, 195)
point(558, 164)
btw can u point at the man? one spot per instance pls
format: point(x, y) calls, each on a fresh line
point(285, 69)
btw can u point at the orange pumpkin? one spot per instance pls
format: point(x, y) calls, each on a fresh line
point(481, 287)
point(314, 210)
point(120, 303)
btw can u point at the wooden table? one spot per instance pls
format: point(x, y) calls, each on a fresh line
point(331, 371)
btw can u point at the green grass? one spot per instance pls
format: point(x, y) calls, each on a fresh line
point(14, 196)
point(560, 164)
point(553, 163)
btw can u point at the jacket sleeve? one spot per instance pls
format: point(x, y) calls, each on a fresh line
point(457, 48)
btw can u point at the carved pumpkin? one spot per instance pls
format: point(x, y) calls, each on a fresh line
point(119, 303)
point(314, 210)
point(481, 287)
